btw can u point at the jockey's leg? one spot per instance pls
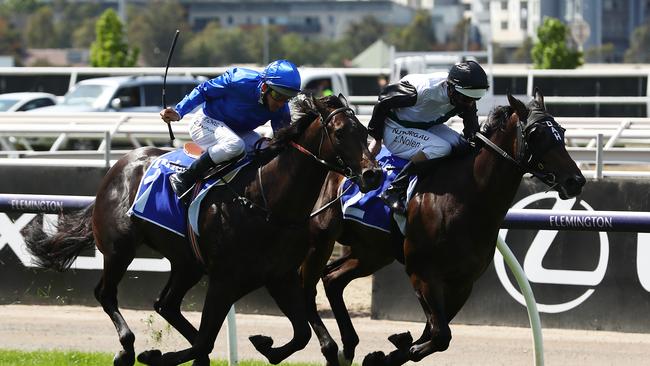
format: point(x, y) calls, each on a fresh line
point(395, 195)
point(183, 182)
point(223, 146)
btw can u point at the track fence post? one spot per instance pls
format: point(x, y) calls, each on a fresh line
point(232, 337)
point(531, 304)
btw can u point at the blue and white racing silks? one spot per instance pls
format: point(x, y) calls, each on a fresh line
point(235, 99)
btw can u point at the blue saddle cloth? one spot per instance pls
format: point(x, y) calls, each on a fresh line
point(367, 208)
point(156, 202)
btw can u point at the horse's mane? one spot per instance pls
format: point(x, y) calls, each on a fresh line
point(496, 119)
point(304, 109)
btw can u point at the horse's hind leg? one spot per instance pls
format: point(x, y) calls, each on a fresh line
point(115, 265)
point(335, 280)
point(288, 294)
point(182, 278)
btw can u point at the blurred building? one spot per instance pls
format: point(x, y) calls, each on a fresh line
point(607, 21)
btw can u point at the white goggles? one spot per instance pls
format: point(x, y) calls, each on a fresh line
point(472, 93)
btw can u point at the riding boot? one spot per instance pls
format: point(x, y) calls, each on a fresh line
point(395, 195)
point(182, 183)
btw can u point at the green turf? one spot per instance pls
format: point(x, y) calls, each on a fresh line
point(72, 358)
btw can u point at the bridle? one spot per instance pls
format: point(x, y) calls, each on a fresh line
point(526, 158)
point(341, 166)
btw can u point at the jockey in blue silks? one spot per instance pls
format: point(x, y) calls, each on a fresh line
point(233, 104)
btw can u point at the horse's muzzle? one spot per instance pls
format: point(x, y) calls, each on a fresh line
point(370, 179)
point(572, 186)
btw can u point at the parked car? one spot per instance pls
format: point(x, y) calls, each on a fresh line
point(25, 101)
point(124, 94)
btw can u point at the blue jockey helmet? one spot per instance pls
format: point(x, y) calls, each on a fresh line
point(283, 77)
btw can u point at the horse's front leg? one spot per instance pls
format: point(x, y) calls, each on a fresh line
point(287, 293)
point(310, 273)
point(183, 276)
point(443, 304)
point(218, 301)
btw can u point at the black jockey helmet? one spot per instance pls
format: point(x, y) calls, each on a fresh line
point(469, 79)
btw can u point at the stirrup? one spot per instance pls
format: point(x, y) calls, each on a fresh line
point(177, 184)
point(394, 201)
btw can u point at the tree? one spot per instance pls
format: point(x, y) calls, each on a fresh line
point(215, 46)
point(463, 37)
point(605, 53)
point(110, 49)
point(639, 50)
point(84, 34)
point(551, 50)
point(419, 35)
point(10, 41)
point(364, 33)
point(40, 29)
point(77, 25)
point(523, 53)
point(152, 27)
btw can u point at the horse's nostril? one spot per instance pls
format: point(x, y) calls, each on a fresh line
point(372, 177)
point(575, 183)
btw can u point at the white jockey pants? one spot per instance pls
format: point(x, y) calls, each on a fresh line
point(434, 142)
point(219, 140)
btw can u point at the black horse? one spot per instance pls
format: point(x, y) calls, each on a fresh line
point(256, 237)
point(453, 219)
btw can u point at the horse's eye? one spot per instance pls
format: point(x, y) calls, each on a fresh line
point(339, 134)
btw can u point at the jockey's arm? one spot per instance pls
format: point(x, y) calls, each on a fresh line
point(397, 95)
point(470, 121)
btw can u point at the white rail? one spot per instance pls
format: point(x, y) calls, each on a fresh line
point(626, 141)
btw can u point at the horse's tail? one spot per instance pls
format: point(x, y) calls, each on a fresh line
point(74, 233)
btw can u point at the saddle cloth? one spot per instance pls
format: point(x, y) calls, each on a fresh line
point(367, 208)
point(157, 203)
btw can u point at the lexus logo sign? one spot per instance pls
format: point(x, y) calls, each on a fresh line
point(533, 261)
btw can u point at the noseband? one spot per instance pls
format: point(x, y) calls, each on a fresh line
point(526, 159)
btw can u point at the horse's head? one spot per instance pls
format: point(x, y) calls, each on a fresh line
point(338, 138)
point(539, 147)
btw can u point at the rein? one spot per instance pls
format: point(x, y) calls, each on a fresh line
point(342, 168)
point(546, 178)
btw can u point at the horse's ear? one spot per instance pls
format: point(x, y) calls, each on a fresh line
point(539, 97)
point(343, 100)
point(519, 107)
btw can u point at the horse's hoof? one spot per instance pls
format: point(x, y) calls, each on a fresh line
point(124, 358)
point(374, 359)
point(343, 361)
point(401, 340)
point(261, 343)
point(152, 357)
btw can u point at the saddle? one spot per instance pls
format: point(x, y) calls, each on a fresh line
point(156, 202)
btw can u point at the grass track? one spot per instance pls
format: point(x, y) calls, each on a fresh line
point(73, 358)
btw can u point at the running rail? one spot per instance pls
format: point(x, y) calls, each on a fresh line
point(611, 221)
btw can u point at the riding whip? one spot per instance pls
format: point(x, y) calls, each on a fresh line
point(164, 100)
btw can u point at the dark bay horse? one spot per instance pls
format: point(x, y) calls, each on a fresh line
point(252, 235)
point(453, 219)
